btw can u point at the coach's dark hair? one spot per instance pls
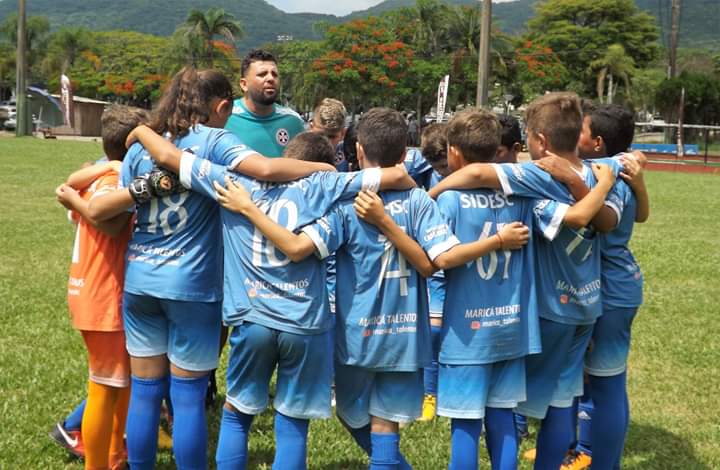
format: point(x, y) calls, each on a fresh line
point(615, 124)
point(433, 142)
point(311, 147)
point(186, 100)
point(255, 55)
point(509, 131)
point(117, 122)
point(476, 133)
point(558, 117)
point(382, 132)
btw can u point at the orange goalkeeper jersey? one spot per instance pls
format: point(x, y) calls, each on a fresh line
point(98, 268)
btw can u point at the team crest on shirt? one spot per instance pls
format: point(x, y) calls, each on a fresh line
point(282, 137)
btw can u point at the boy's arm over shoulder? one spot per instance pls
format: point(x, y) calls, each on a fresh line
point(472, 176)
point(234, 197)
point(370, 208)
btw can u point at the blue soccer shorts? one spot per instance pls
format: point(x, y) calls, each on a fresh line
point(187, 332)
point(464, 391)
point(361, 393)
point(610, 342)
point(303, 371)
point(555, 376)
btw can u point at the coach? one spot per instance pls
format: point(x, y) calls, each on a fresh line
point(261, 123)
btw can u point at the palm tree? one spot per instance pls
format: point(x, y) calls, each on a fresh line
point(67, 44)
point(431, 16)
point(204, 26)
point(615, 63)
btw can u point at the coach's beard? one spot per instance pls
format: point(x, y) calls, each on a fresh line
point(261, 98)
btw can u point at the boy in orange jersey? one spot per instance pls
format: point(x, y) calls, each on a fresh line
point(95, 291)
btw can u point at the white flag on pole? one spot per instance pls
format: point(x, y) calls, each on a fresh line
point(66, 100)
point(442, 97)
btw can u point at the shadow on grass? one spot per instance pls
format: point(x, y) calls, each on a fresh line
point(657, 448)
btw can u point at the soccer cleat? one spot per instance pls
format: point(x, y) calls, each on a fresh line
point(576, 460)
point(530, 454)
point(70, 440)
point(428, 408)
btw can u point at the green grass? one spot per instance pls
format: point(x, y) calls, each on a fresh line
point(673, 378)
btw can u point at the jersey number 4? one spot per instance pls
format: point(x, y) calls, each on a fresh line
point(402, 273)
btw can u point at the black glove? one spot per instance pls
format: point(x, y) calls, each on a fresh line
point(164, 183)
point(157, 183)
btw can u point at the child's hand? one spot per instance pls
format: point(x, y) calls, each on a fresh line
point(114, 165)
point(132, 136)
point(66, 196)
point(603, 173)
point(369, 207)
point(633, 172)
point(559, 168)
point(513, 236)
point(640, 157)
point(233, 197)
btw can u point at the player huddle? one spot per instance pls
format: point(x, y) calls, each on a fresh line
point(321, 277)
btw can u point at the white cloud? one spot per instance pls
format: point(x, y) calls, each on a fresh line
point(333, 7)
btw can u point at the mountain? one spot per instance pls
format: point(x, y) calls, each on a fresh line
point(263, 23)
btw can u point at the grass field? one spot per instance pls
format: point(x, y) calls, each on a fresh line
point(674, 376)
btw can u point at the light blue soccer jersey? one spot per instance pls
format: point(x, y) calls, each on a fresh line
point(491, 311)
point(568, 263)
point(417, 167)
point(261, 284)
point(622, 280)
point(176, 246)
point(381, 300)
point(436, 282)
point(267, 135)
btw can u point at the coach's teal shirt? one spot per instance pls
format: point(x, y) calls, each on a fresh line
point(267, 135)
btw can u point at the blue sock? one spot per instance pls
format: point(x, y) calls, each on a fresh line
point(290, 442)
point(385, 453)
point(430, 373)
point(143, 420)
point(362, 438)
point(189, 425)
point(584, 416)
point(464, 437)
point(554, 438)
point(609, 425)
point(501, 438)
point(521, 425)
point(74, 420)
point(232, 448)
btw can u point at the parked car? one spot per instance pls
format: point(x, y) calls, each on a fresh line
point(7, 108)
point(11, 123)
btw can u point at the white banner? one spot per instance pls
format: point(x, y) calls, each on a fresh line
point(66, 100)
point(442, 97)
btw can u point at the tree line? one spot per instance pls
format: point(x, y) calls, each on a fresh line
point(604, 49)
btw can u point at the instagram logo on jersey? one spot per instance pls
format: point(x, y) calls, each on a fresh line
point(475, 325)
point(563, 299)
